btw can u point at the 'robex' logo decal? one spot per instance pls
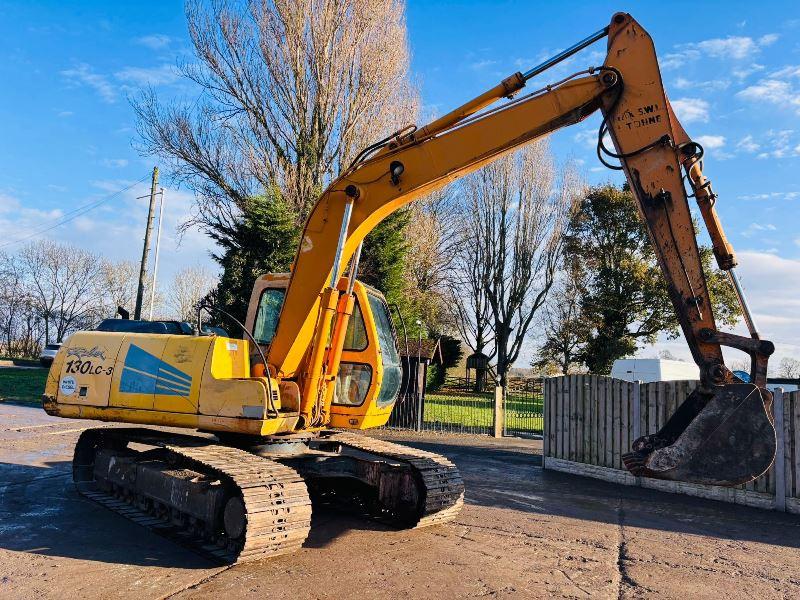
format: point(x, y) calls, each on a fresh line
point(81, 352)
point(144, 373)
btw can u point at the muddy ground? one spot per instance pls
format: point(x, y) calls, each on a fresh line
point(524, 533)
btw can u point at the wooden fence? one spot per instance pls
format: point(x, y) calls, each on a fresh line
point(591, 420)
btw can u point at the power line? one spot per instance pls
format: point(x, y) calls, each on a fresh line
point(74, 214)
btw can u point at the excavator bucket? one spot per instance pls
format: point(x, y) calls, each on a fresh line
point(726, 438)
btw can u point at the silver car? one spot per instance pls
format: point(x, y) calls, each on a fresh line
point(48, 354)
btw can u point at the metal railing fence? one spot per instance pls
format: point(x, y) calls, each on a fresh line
point(458, 407)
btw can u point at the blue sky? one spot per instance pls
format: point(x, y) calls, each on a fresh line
point(732, 70)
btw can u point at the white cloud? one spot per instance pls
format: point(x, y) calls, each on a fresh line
point(756, 228)
point(586, 137)
point(771, 196)
point(773, 91)
point(482, 64)
point(691, 110)
point(771, 283)
point(779, 144)
point(83, 74)
point(121, 219)
point(736, 48)
point(743, 72)
point(141, 76)
point(768, 39)
point(747, 144)
point(774, 143)
point(711, 142)
point(712, 85)
point(65, 113)
point(791, 71)
point(114, 163)
point(155, 41)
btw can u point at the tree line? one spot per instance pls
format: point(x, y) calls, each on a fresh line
point(50, 290)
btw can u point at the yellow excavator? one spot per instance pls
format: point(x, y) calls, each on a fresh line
point(319, 353)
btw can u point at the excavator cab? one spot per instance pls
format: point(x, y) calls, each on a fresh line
point(368, 380)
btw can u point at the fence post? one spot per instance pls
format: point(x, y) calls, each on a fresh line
point(637, 416)
point(780, 453)
point(545, 428)
point(499, 392)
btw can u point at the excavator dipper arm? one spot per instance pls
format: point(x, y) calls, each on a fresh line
point(723, 433)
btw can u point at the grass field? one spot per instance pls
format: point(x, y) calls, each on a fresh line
point(472, 412)
point(24, 386)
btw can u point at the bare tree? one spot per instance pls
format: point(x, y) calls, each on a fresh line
point(21, 329)
point(118, 283)
point(518, 209)
point(789, 368)
point(188, 287)
point(565, 328)
point(740, 365)
point(432, 242)
point(469, 306)
point(64, 285)
point(291, 91)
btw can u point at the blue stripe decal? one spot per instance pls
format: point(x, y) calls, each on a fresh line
point(134, 382)
point(144, 373)
point(174, 381)
point(144, 361)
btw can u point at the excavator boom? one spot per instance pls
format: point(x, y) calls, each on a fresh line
point(723, 433)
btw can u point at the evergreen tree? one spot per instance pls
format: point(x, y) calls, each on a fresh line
point(451, 355)
point(263, 240)
point(383, 262)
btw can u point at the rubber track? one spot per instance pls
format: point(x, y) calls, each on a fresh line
point(444, 487)
point(275, 495)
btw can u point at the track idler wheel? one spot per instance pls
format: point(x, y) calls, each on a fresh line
point(725, 438)
point(234, 518)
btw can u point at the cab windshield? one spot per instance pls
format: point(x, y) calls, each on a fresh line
point(269, 309)
point(392, 373)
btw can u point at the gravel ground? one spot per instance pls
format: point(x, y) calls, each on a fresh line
point(523, 533)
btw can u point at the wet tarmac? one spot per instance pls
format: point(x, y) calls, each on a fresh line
point(524, 533)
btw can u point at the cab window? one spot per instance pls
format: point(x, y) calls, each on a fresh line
point(352, 384)
point(392, 372)
point(355, 339)
point(269, 309)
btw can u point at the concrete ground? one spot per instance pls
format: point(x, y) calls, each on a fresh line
point(524, 533)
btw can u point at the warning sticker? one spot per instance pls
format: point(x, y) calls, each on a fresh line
point(68, 386)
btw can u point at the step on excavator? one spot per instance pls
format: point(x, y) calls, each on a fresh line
point(274, 414)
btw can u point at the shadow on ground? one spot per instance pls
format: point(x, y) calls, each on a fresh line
point(40, 511)
point(513, 479)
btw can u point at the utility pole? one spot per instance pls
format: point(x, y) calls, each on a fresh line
point(155, 258)
point(137, 312)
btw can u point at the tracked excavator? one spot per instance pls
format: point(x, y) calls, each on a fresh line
point(274, 413)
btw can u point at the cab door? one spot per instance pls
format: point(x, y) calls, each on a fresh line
point(369, 375)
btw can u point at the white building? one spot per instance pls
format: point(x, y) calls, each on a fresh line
point(654, 369)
